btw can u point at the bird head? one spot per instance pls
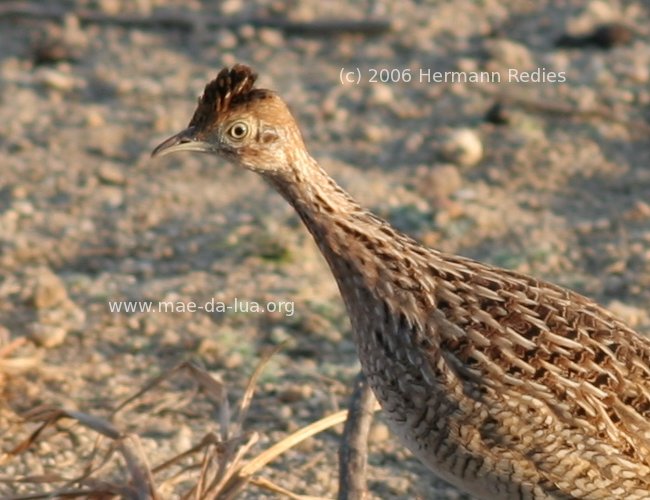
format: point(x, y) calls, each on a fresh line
point(251, 127)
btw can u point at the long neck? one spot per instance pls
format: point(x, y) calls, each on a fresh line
point(364, 252)
point(333, 218)
point(314, 194)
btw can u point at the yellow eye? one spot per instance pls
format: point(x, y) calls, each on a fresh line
point(238, 130)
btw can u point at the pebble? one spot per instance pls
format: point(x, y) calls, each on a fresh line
point(462, 147)
point(58, 80)
point(379, 432)
point(94, 118)
point(285, 412)
point(49, 290)
point(55, 314)
point(382, 94)
point(23, 207)
point(208, 348)
point(296, 393)
point(233, 360)
point(271, 37)
point(113, 197)
point(226, 39)
point(231, 7)
point(507, 54)
point(111, 7)
point(47, 336)
point(246, 32)
point(183, 438)
point(377, 134)
point(110, 174)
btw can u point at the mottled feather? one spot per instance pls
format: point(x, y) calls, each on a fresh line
point(505, 385)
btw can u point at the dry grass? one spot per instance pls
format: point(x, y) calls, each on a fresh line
point(221, 465)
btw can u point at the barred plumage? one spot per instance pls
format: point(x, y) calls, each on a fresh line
point(504, 385)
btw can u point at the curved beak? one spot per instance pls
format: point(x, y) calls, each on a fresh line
point(185, 140)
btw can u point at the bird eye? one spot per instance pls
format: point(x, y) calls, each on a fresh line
point(238, 130)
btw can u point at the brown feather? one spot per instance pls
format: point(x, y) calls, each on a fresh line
point(505, 385)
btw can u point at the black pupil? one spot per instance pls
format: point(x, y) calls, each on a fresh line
point(238, 130)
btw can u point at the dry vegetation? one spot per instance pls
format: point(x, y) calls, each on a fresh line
point(221, 465)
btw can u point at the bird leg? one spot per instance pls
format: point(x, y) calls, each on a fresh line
point(353, 453)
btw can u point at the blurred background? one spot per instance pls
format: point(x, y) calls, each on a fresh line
point(550, 179)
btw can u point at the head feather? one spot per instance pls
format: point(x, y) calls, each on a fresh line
point(230, 88)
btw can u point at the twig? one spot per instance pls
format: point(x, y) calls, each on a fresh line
point(246, 472)
point(353, 454)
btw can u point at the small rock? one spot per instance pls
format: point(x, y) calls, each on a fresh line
point(19, 192)
point(506, 54)
point(382, 94)
point(112, 175)
point(376, 134)
point(379, 433)
point(134, 323)
point(279, 335)
point(47, 335)
point(414, 142)
point(183, 438)
point(296, 393)
point(271, 37)
point(640, 211)
point(246, 32)
point(23, 207)
point(74, 34)
point(49, 290)
point(462, 147)
point(467, 65)
point(111, 196)
point(231, 7)
point(94, 118)
point(57, 80)
point(498, 114)
point(55, 314)
point(208, 346)
point(285, 412)
point(111, 7)
point(226, 39)
point(233, 360)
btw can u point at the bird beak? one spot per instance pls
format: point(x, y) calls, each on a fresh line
point(185, 140)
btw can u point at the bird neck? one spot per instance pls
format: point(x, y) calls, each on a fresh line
point(328, 212)
point(358, 246)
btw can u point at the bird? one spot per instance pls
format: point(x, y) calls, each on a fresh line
point(502, 384)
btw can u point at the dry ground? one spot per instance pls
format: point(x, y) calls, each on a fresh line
point(562, 190)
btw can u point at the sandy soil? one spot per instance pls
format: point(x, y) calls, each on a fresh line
point(559, 187)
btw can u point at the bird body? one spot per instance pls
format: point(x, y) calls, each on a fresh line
point(504, 385)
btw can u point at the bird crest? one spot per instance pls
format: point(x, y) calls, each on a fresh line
point(231, 87)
